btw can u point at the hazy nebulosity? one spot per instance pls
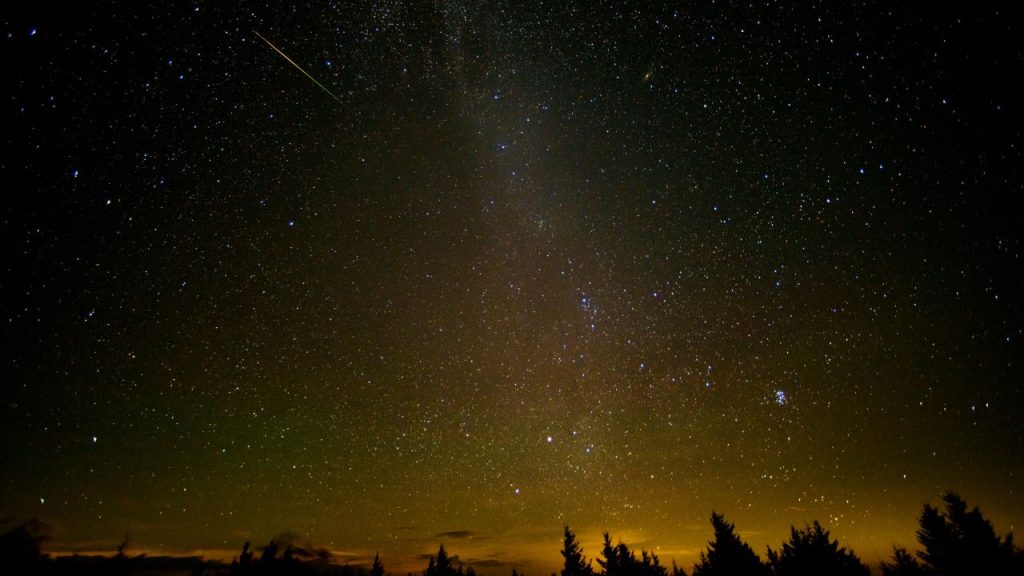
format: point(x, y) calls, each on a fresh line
point(606, 264)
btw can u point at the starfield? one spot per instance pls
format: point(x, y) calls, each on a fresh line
point(354, 280)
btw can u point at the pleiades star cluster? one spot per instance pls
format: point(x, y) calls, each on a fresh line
point(389, 274)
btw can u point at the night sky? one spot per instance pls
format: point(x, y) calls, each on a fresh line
point(513, 265)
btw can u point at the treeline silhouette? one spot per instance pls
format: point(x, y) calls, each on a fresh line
point(956, 541)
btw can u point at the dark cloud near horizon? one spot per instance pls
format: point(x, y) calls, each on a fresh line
point(458, 534)
point(491, 563)
point(427, 556)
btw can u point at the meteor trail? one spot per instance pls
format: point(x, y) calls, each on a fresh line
point(292, 62)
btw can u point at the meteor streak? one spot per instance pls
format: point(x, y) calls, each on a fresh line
point(292, 62)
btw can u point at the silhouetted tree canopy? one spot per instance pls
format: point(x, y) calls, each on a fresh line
point(441, 565)
point(810, 552)
point(278, 558)
point(575, 563)
point(245, 558)
point(618, 560)
point(21, 548)
point(727, 555)
point(610, 560)
point(650, 565)
point(958, 542)
point(903, 564)
point(269, 552)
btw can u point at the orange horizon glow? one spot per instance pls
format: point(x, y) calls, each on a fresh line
point(539, 551)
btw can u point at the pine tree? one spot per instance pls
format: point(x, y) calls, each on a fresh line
point(903, 564)
point(269, 552)
point(378, 566)
point(962, 541)
point(444, 563)
point(650, 565)
point(615, 559)
point(811, 552)
point(440, 565)
point(575, 563)
point(619, 560)
point(727, 555)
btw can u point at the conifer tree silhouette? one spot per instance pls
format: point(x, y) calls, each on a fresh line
point(619, 560)
point(440, 565)
point(610, 564)
point(650, 565)
point(810, 552)
point(269, 552)
point(245, 558)
point(378, 566)
point(727, 555)
point(958, 542)
point(903, 564)
point(575, 563)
